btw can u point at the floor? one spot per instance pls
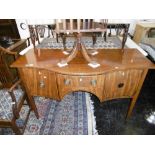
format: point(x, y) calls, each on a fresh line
point(110, 117)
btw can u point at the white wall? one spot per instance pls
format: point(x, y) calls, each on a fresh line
point(23, 33)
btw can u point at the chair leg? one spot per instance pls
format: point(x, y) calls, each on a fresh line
point(125, 35)
point(31, 103)
point(48, 33)
point(63, 36)
point(57, 37)
point(52, 33)
point(105, 36)
point(94, 38)
point(15, 128)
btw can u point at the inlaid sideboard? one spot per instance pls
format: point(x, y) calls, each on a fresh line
point(120, 75)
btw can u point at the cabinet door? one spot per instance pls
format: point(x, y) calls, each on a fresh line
point(40, 82)
point(122, 83)
point(92, 84)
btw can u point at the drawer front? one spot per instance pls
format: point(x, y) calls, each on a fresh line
point(121, 83)
point(92, 84)
point(40, 82)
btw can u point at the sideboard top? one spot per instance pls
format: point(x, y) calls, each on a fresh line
point(109, 59)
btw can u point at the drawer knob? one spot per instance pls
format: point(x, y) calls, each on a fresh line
point(93, 82)
point(67, 82)
point(120, 85)
point(42, 84)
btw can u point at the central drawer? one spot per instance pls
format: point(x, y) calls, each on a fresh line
point(69, 83)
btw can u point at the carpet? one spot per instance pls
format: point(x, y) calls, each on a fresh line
point(112, 42)
point(71, 116)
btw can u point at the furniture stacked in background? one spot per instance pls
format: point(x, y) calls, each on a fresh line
point(77, 28)
point(143, 31)
point(68, 27)
point(121, 30)
point(113, 30)
point(145, 36)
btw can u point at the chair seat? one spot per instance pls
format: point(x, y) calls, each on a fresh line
point(6, 112)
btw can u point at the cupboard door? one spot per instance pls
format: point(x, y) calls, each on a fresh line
point(122, 83)
point(40, 82)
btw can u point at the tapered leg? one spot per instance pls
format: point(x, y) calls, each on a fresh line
point(134, 99)
point(132, 104)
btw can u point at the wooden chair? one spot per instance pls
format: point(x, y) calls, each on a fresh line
point(33, 35)
point(9, 112)
point(11, 98)
point(79, 27)
point(36, 33)
point(8, 76)
point(7, 57)
point(120, 30)
point(11, 102)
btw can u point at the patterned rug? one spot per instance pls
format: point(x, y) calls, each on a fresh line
point(71, 116)
point(112, 42)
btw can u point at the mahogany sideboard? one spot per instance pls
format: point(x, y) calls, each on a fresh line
point(120, 74)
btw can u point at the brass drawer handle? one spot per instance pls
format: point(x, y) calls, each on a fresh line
point(120, 85)
point(41, 84)
point(93, 82)
point(67, 82)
